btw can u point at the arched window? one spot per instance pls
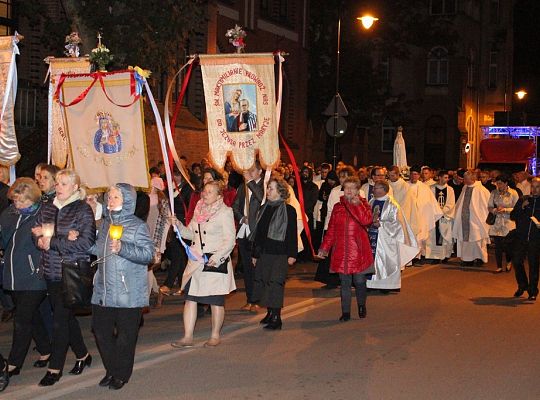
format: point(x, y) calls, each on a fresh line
point(437, 66)
point(388, 135)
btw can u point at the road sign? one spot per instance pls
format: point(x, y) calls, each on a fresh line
point(336, 127)
point(338, 108)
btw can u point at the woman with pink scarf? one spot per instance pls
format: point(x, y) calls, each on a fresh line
point(208, 277)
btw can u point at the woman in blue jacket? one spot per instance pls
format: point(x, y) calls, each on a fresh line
point(21, 273)
point(120, 284)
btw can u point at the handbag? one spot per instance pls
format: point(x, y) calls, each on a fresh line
point(77, 283)
point(221, 268)
point(490, 220)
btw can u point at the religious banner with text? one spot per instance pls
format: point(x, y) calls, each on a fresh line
point(104, 121)
point(9, 148)
point(241, 108)
point(57, 150)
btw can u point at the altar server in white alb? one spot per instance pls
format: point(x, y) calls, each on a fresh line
point(470, 229)
point(424, 212)
point(392, 241)
point(440, 243)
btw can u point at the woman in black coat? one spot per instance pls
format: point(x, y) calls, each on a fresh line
point(275, 247)
point(21, 273)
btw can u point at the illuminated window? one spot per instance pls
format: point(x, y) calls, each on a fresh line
point(5, 17)
point(388, 135)
point(437, 66)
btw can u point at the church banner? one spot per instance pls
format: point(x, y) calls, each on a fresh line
point(104, 121)
point(9, 148)
point(57, 152)
point(241, 108)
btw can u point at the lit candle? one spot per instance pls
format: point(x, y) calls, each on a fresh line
point(115, 231)
point(47, 229)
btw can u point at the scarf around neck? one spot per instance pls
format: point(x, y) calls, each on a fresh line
point(203, 212)
point(278, 224)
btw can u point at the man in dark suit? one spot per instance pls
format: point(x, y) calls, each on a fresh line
point(245, 213)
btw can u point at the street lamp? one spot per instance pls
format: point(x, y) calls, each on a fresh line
point(367, 21)
point(521, 94)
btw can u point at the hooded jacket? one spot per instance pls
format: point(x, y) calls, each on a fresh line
point(121, 279)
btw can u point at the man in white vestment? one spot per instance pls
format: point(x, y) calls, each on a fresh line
point(439, 246)
point(427, 176)
point(470, 229)
point(425, 211)
point(392, 241)
point(378, 174)
point(400, 188)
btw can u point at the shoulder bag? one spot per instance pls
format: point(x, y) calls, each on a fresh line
point(222, 268)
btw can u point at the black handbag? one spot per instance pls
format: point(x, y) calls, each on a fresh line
point(77, 283)
point(221, 268)
point(490, 220)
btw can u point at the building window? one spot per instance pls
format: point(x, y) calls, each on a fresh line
point(5, 17)
point(383, 68)
point(265, 8)
point(25, 107)
point(435, 142)
point(437, 66)
point(492, 78)
point(442, 7)
point(494, 9)
point(470, 69)
point(388, 135)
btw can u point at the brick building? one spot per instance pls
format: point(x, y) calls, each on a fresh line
point(456, 90)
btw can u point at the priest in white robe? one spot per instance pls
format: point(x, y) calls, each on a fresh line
point(440, 244)
point(391, 238)
point(470, 229)
point(400, 190)
point(425, 211)
point(427, 176)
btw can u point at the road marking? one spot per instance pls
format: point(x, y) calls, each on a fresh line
point(164, 352)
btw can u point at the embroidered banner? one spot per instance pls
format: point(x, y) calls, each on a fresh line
point(241, 108)
point(57, 153)
point(9, 149)
point(104, 120)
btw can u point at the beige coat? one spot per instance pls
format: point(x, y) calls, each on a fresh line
point(218, 235)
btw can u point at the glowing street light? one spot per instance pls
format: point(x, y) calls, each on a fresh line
point(367, 20)
point(521, 94)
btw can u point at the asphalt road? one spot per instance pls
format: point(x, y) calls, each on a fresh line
point(452, 333)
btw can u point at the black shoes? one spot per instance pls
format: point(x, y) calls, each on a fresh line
point(345, 317)
point(116, 384)
point(266, 318)
point(107, 379)
point(13, 372)
point(4, 377)
point(275, 320)
point(50, 378)
point(362, 311)
point(80, 365)
point(41, 363)
point(532, 297)
point(519, 293)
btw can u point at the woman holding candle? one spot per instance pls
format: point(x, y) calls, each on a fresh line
point(212, 233)
point(68, 212)
point(124, 249)
point(21, 273)
point(348, 239)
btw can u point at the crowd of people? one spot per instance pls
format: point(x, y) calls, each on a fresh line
point(363, 226)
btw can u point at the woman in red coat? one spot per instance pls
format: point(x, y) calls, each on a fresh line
point(348, 239)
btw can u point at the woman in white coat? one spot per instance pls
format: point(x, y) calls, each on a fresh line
point(212, 233)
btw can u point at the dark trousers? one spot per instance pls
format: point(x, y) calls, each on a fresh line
point(27, 324)
point(116, 331)
point(531, 250)
point(244, 249)
point(346, 295)
point(501, 247)
point(66, 329)
point(6, 300)
point(177, 255)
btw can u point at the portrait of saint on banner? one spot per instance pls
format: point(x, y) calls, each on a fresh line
point(240, 107)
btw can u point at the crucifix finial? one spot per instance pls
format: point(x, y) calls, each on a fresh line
point(99, 39)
